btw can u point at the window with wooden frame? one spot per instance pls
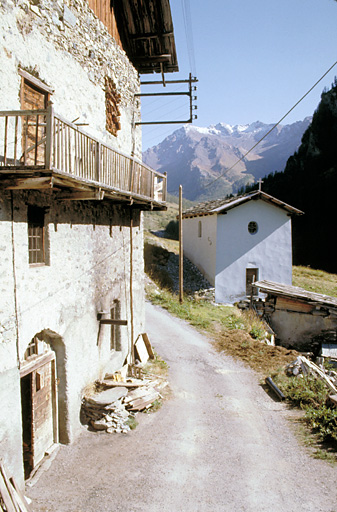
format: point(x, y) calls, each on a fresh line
point(35, 95)
point(36, 235)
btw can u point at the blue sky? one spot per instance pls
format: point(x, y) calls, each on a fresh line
point(254, 60)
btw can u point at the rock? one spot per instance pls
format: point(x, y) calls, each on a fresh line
point(99, 424)
point(107, 397)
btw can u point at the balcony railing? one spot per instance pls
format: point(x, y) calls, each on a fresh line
point(41, 140)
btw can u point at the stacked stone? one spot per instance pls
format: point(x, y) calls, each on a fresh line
point(105, 411)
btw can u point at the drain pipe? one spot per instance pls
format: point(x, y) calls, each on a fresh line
point(15, 285)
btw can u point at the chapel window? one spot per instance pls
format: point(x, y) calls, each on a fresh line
point(253, 227)
point(199, 229)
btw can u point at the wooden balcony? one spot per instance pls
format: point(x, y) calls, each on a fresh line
point(41, 150)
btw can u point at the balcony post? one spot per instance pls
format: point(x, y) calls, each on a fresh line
point(98, 162)
point(49, 136)
point(164, 187)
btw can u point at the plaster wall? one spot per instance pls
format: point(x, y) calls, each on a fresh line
point(269, 249)
point(201, 250)
point(88, 268)
point(296, 330)
point(68, 48)
point(10, 423)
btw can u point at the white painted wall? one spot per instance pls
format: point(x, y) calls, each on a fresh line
point(269, 249)
point(201, 250)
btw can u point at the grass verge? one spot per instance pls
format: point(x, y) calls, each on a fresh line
point(239, 335)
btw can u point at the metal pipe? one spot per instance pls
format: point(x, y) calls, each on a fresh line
point(276, 390)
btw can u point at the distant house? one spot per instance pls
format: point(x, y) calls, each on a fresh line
point(72, 191)
point(237, 241)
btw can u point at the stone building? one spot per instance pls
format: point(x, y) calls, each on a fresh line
point(72, 192)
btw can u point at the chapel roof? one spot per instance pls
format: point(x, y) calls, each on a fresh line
point(220, 206)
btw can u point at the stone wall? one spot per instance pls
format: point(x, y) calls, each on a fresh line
point(68, 48)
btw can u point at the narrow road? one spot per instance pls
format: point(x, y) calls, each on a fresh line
point(219, 444)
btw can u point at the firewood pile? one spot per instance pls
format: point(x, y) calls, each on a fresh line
point(11, 498)
point(303, 366)
point(119, 400)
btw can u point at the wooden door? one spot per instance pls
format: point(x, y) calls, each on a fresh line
point(39, 410)
point(42, 412)
point(33, 127)
point(252, 275)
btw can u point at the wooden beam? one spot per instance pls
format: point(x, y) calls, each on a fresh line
point(96, 195)
point(111, 321)
point(26, 183)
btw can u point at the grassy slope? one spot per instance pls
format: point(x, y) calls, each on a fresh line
point(315, 280)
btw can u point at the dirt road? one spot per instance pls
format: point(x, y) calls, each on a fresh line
point(219, 444)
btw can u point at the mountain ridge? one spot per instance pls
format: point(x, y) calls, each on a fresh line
point(195, 156)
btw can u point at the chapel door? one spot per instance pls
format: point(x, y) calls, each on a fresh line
point(252, 275)
point(33, 127)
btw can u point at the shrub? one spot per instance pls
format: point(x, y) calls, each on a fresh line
point(303, 392)
point(172, 229)
point(323, 421)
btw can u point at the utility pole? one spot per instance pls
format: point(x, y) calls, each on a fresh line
point(181, 252)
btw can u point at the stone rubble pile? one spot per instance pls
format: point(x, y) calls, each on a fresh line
point(113, 409)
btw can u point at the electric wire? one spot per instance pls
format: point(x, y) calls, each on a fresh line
point(189, 34)
point(271, 129)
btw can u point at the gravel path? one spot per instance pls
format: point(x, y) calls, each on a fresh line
point(219, 444)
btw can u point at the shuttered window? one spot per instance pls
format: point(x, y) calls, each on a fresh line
point(36, 235)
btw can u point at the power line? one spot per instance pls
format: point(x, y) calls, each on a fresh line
point(189, 34)
point(273, 127)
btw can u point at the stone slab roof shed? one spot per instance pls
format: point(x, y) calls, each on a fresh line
point(236, 241)
point(300, 318)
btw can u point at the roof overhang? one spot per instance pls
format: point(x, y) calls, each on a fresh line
point(295, 293)
point(230, 204)
point(146, 31)
point(258, 195)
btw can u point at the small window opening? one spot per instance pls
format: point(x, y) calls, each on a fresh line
point(199, 229)
point(36, 235)
point(253, 227)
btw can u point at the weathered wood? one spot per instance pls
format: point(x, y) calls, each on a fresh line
point(111, 321)
point(6, 491)
point(51, 143)
point(116, 384)
point(319, 372)
point(141, 350)
point(148, 345)
point(20, 498)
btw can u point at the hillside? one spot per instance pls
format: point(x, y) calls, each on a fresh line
point(193, 156)
point(309, 182)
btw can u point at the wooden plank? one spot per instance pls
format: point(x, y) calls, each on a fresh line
point(148, 345)
point(5, 491)
point(112, 321)
point(119, 384)
point(293, 305)
point(142, 353)
point(20, 498)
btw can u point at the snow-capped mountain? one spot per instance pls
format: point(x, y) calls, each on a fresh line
point(195, 156)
